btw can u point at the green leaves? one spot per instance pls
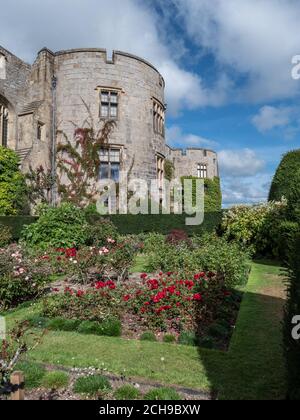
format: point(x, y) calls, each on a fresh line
point(12, 185)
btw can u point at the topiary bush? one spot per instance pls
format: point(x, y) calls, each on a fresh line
point(169, 338)
point(61, 227)
point(292, 309)
point(286, 177)
point(13, 199)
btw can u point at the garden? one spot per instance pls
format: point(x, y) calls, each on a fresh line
point(95, 312)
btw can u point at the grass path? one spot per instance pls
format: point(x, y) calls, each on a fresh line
point(252, 369)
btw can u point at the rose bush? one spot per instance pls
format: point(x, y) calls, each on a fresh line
point(21, 277)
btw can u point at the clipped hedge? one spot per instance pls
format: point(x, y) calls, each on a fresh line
point(292, 309)
point(16, 224)
point(164, 223)
point(286, 177)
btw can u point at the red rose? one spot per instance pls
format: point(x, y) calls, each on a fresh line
point(80, 293)
point(197, 297)
point(126, 298)
point(144, 276)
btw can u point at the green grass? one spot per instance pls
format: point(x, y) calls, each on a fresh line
point(91, 385)
point(55, 380)
point(127, 392)
point(253, 368)
point(162, 394)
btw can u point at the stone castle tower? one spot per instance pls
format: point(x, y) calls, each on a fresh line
point(39, 99)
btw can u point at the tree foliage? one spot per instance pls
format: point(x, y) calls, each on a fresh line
point(287, 176)
point(12, 184)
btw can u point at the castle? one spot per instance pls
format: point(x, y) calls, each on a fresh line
point(37, 101)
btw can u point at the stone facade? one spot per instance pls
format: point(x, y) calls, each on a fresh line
point(125, 88)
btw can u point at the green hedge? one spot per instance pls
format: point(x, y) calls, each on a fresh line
point(292, 346)
point(135, 224)
point(16, 224)
point(131, 224)
point(286, 177)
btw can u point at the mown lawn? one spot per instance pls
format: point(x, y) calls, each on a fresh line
point(253, 368)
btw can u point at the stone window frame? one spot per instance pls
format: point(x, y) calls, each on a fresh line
point(160, 169)
point(202, 171)
point(159, 117)
point(110, 148)
point(109, 90)
point(40, 131)
point(4, 124)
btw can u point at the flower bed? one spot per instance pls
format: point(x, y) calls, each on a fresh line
point(201, 310)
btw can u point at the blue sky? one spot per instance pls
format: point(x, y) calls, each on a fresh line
point(227, 66)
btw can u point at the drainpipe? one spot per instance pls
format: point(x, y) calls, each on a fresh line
point(53, 141)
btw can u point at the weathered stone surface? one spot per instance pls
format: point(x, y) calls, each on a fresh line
point(26, 91)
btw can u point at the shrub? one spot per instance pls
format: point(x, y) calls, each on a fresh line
point(5, 236)
point(127, 392)
point(255, 227)
point(292, 346)
point(33, 373)
point(208, 253)
point(218, 330)
point(110, 327)
point(21, 278)
point(162, 394)
point(99, 232)
point(168, 338)
point(92, 305)
point(16, 224)
point(12, 184)
point(55, 380)
point(60, 227)
point(38, 321)
point(148, 336)
point(188, 338)
point(286, 177)
point(207, 343)
point(92, 385)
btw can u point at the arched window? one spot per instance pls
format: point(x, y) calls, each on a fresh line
point(4, 114)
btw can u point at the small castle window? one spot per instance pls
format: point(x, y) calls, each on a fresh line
point(110, 164)
point(40, 131)
point(109, 101)
point(3, 125)
point(158, 118)
point(202, 171)
point(205, 153)
point(160, 169)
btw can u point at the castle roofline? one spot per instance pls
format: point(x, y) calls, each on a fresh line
point(103, 51)
point(181, 149)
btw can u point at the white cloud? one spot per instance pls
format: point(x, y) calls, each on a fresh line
point(248, 191)
point(270, 117)
point(240, 163)
point(127, 25)
point(176, 138)
point(253, 38)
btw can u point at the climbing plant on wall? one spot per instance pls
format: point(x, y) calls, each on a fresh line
point(79, 162)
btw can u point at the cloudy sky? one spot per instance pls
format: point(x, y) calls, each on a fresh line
point(227, 65)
